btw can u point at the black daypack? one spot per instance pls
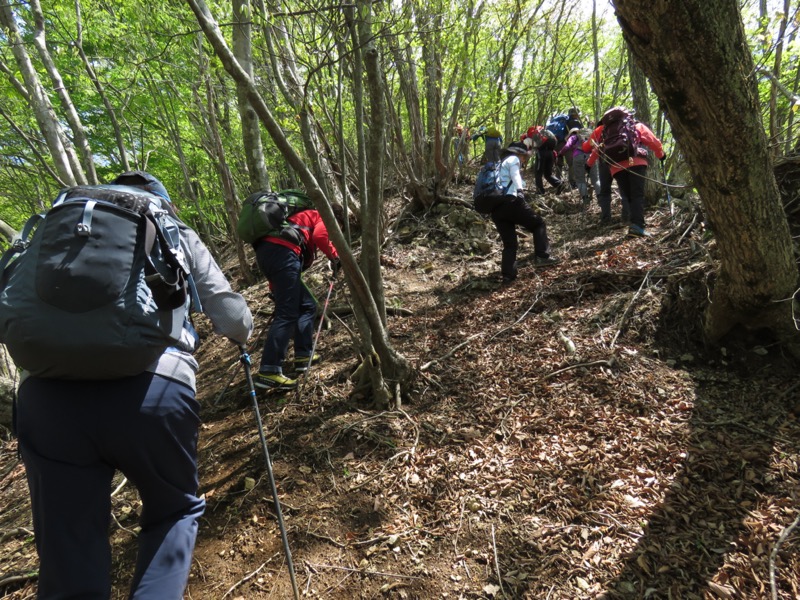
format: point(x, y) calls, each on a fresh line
point(266, 214)
point(487, 194)
point(99, 290)
point(619, 140)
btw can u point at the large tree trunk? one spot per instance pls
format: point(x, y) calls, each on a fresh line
point(696, 57)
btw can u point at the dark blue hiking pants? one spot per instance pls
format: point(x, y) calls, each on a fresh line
point(73, 435)
point(295, 306)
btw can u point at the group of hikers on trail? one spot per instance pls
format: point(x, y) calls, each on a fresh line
point(616, 150)
point(95, 309)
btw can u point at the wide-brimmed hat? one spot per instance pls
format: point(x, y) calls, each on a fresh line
point(518, 148)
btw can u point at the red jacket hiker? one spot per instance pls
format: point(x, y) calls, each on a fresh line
point(647, 139)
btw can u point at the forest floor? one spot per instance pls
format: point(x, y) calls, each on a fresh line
point(569, 436)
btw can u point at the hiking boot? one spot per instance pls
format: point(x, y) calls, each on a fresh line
point(636, 231)
point(541, 261)
point(274, 381)
point(301, 362)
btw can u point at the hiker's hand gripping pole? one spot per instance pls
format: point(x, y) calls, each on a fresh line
point(245, 360)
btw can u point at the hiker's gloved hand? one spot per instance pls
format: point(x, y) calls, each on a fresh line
point(336, 266)
point(663, 158)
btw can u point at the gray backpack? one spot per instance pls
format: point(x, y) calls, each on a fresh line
point(100, 289)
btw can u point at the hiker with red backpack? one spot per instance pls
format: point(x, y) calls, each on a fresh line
point(600, 175)
point(623, 142)
point(282, 262)
point(76, 431)
point(513, 211)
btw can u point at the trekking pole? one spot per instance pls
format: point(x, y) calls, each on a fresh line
point(245, 358)
point(669, 196)
point(316, 337)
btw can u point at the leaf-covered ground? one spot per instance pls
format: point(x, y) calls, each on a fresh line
point(569, 437)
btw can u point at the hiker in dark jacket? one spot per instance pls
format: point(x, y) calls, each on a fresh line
point(545, 144)
point(282, 263)
point(515, 211)
point(74, 435)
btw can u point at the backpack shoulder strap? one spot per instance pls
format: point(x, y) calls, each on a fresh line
point(22, 242)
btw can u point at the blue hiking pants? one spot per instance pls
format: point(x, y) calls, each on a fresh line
point(73, 436)
point(295, 306)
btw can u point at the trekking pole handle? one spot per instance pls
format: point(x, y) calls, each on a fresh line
point(243, 354)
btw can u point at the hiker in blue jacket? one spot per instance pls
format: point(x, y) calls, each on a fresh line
point(515, 211)
point(74, 435)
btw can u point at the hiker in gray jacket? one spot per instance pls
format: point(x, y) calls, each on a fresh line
point(74, 435)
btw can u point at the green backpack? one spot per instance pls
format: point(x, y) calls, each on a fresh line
point(266, 214)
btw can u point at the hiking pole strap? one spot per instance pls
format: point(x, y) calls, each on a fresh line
point(246, 363)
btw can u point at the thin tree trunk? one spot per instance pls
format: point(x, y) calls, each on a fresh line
point(774, 117)
point(641, 105)
point(251, 133)
point(87, 173)
point(374, 149)
point(112, 115)
point(598, 98)
point(225, 175)
point(7, 231)
point(42, 109)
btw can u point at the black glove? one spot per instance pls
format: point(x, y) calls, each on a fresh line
point(336, 266)
point(663, 158)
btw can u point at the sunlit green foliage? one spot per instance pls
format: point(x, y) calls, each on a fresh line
point(510, 62)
